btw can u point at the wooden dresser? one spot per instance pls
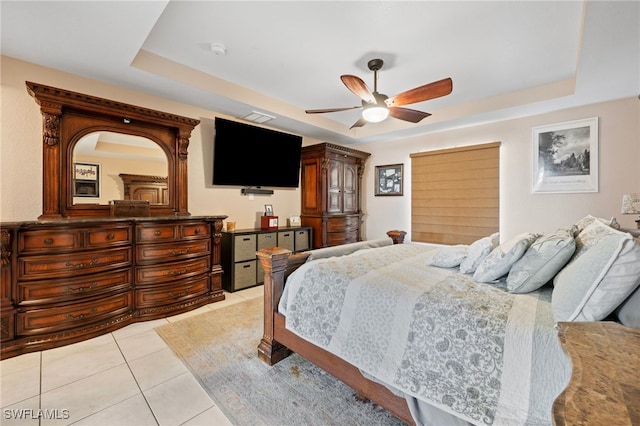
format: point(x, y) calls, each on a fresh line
point(331, 199)
point(64, 281)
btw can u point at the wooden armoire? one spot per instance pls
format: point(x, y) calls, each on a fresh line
point(331, 199)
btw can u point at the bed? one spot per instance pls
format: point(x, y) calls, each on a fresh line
point(432, 344)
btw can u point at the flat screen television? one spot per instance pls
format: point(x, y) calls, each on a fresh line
point(250, 156)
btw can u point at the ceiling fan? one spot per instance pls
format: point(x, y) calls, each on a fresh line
point(377, 107)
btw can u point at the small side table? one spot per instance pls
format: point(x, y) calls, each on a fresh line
point(605, 381)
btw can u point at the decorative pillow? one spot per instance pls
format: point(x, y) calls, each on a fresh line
point(546, 256)
point(478, 250)
point(500, 260)
point(588, 220)
point(629, 312)
point(599, 277)
point(449, 257)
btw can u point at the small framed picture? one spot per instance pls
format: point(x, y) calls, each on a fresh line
point(86, 180)
point(389, 179)
point(268, 210)
point(294, 221)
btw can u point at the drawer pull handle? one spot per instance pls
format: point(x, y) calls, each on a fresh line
point(181, 294)
point(157, 233)
point(246, 266)
point(110, 237)
point(81, 289)
point(287, 235)
point(246, 239)
point(179, 252)
point(48, 241)
point(178, 272)
point(198, 231)
point(79, 316)
point(69, 264)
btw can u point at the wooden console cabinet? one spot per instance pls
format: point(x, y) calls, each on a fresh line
point(331, 177)
point(64, 281)
point(239, 260)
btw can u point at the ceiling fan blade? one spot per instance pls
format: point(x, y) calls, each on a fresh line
point(361, 122)
point(358, 87)
point(422, 93)
point(321, 111)
point(407, 114)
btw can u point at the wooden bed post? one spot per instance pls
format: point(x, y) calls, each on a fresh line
point(274, 261)
point(397, 236)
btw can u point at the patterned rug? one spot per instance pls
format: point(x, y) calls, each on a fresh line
point(220, 349)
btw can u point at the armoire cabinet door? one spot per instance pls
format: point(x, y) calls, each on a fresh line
point(350, 188)
point(334, 186)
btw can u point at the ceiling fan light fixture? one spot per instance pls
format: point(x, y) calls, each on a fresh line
point(375, 113)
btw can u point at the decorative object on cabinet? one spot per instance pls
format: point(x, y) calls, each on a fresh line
point(241, 269)
point(331, 182)
point(294, 221)
point(69, 116)
point(129, 208)
point(389, 179)
point(86, 180)
point(69, 280)
point(268, 222)
point(565, 157)
point(631, 205)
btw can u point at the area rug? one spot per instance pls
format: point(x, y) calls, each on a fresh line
point(220, 350)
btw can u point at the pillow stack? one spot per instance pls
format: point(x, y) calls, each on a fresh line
point(477, 252)
point(498, 263)
point(603, 272)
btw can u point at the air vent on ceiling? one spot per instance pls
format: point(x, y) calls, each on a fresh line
point(258, 117)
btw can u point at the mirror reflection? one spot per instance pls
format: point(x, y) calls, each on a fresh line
point(101, 159)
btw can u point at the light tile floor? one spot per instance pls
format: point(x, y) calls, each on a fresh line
point(129, 377)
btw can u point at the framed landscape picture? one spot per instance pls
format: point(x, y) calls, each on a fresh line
point(565, 157)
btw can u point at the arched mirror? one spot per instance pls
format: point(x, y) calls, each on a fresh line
point(85, 137)
point(114, 166)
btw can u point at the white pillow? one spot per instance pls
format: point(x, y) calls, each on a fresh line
point(499, 261)
point(449, 257)
point(603, 272)
point(542, 261)
point(478, 250)
point(629, 312)
point(588, 220)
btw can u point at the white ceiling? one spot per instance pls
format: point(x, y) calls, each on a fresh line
point(506, 59)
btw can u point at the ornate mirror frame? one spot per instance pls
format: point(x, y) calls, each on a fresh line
point(68, 116)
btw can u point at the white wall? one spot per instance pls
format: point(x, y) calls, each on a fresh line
point(520, 209)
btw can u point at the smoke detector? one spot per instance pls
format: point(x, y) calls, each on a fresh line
point(218, 48)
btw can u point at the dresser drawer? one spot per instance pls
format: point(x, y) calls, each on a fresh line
point(196, 230)
point(172, 271)
point(285, 240)
point(38, 321)
point(244, 274)
point(66, 265)
point(162, 295)
point(269, 239)
point(339, 238)
point(108, 236)
point(156, 233)
point(48, 240)
point(51, 291)
point(172, 251)
point(244, 247)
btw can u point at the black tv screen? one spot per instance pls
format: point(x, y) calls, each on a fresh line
point(250, 156)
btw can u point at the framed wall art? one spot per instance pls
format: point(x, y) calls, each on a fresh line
point(565, 157)
point(389, 179)
point(86, 180)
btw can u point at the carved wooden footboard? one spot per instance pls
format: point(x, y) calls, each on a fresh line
point(278, 342)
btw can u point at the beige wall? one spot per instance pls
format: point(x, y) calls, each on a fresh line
point(520, 209)
point(619, 140)
point(21, 149)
